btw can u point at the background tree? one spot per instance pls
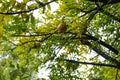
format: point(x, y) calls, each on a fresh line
point(86, 49)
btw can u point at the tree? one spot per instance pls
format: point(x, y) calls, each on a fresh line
point(29, 43)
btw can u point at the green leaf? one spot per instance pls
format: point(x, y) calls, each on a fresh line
point(32, 21)
point(49, 7)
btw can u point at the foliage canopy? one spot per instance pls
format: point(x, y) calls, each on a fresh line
point(29, 44)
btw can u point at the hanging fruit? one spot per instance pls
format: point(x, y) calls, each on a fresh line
point(62, 27)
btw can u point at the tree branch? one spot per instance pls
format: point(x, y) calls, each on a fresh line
point(32, 35)
point(99, 8)
point(19, 12)
point(41, 40)
point(106, 1)
point(90, 63)
point(86, 12)
point(27, 11)
point(90, 37)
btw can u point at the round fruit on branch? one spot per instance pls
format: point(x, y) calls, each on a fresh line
point(62, 27)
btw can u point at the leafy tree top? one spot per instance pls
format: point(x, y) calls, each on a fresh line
point(89, 34)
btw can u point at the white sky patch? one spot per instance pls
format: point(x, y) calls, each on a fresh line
point(54, 6)
point(19, 1)
point(44, 73)
point(0, 5)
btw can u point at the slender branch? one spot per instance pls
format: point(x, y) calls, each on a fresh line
point(90, 37)
point(86, 12)
point(106, 1)
point(19, 12)
point(102, 43)
point(90, 63)
point(31, 35)
point(40, 34)
point(92, 15)
point(99, 52)
point(93, 12)
point(27, 11)
point(96, 10)
point(41, 40)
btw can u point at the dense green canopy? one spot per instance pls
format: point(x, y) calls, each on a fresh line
point(79, 40)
